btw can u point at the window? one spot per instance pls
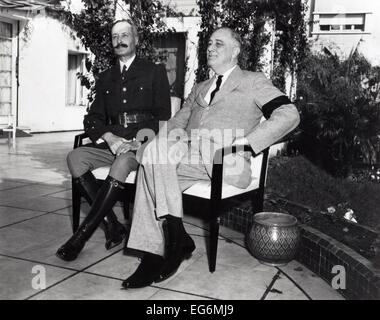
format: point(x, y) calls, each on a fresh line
point(75, 92)
point(352, 22)
point(5, 68)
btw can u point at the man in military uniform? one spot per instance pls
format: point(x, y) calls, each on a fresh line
point(130, 96)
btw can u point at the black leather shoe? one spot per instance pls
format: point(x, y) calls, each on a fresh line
point(174, 260)
point(145, 274)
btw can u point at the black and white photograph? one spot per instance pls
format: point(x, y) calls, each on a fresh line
point(190, 154)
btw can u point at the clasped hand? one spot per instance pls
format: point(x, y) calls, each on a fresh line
point(119, 145)
point(129, 145)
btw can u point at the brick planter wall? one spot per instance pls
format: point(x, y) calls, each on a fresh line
point(320, 253)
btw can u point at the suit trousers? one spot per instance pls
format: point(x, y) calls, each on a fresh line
point(167, 169)
point(83, 159)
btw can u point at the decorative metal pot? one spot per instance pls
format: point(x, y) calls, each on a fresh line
point(273, 238)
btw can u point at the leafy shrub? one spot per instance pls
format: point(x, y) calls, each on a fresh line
point(340, 112)
point(297, 179)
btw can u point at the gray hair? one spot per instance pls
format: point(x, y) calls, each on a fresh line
point(130, 22)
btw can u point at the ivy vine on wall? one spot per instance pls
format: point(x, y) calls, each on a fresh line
point(249, 18)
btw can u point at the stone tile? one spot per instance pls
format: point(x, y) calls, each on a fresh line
point(10, 184)
point(61, 195)
point(30, 174)
point(16, 278)
point(234, 255)
point(227, 282)
point(10, 215)
point(284, 289)
point(118, 266)
point(231, 234)
point(12, 197)
point(32, 191)
point(51, 224)
point(92, 287)
point(14, 240)
point(195, 230)
point(315, 287)
point(85, 208)
point(229, 253)
point(38, 239)
point(173, 295)
point(91, 254)
point(194, 222)
point(64, 182)
point(45, 204)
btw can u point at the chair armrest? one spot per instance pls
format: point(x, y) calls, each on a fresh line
point(220, 153)
point(78, 140)
point(217, 167)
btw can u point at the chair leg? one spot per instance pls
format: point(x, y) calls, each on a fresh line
point(76, 202)
point(258, 201)
point(126, 209)
point(214, 235)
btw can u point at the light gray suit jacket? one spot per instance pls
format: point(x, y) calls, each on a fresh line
point(234, 112)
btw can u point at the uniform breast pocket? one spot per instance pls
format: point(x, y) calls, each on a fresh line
point(107, 94)
point(143, 87)
point(143, 93)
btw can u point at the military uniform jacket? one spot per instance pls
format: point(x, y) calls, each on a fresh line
point(145, 89)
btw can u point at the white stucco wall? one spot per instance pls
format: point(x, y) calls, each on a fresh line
point(343, 43)
point(43, 72)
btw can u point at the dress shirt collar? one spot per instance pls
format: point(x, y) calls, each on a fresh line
point(226, 74)
point(126, 64)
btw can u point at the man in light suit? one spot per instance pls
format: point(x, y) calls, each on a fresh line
point(219, 112)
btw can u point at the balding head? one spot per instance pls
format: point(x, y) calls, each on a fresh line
point(234, 35)
point(223, 50)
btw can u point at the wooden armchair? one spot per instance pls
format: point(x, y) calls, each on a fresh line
point(213, 192)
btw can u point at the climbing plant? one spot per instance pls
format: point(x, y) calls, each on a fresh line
point(93, 27)
point(250, 19)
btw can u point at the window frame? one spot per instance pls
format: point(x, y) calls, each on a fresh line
point(319, 28)
point(13, 111)
point(81, 99)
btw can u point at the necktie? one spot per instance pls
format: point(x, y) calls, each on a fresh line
point(124, 73)
point(218, 83)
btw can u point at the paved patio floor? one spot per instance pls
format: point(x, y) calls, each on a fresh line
point(35, 207)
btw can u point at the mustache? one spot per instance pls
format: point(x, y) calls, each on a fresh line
point(121, 45)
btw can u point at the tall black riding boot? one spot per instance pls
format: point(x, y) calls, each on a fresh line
point(104, 201)
point(179, 246)
point(114, 231)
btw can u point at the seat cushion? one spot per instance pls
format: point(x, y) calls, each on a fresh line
point(203, 189)
point(102, 173)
